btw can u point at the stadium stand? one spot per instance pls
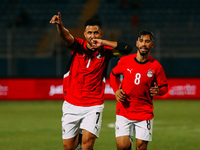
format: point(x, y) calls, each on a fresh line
point(175, 24)
point(26, 38)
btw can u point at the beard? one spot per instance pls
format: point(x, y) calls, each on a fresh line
point(143, 53)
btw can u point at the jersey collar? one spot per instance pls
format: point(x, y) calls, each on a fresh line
point(93, 53)
point(141, 62)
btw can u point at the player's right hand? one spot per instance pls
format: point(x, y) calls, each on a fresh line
point(120, 95)
point(56, 19)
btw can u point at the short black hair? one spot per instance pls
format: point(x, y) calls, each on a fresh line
point(146, 32)
point(95, 20)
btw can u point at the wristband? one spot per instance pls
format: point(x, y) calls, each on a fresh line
point(123, 47)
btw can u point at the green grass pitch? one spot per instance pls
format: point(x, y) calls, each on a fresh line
point(36, 125)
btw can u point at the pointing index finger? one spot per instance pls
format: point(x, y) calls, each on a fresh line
point(59, 15)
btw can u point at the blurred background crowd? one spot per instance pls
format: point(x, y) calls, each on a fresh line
point(31, 47)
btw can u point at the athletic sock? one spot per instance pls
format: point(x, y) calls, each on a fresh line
point(131, 143)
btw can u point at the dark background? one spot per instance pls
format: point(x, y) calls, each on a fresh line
point(31, 47)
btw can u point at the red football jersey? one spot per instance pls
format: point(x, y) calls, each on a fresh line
point(84, 83)
point(138, 78)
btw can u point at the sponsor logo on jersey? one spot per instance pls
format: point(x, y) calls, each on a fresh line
point(129, 70)
point(97, 127)
point(150, 73)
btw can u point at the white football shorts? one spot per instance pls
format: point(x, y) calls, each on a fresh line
point(75, 118)
point(142, 129)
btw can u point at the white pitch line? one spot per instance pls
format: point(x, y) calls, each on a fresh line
point(111, 125)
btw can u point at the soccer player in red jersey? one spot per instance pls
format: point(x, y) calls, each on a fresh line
point(143, 78)
point(84, 82)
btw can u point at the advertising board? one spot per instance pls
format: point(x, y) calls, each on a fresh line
point(51, 89)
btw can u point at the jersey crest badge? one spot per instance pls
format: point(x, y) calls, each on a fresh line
point(150, 73)
point(99, 56)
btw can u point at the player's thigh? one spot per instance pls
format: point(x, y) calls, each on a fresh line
point(123, 131)
point(71, 120)
point(143, 130)
point(88, 140)
point(123, 126)
point(92, 120)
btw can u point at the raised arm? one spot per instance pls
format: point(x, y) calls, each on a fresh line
point(122, 47)
point(63, 32)
point(99, 42)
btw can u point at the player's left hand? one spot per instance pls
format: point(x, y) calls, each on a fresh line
point(154, 90)
point(96, 43)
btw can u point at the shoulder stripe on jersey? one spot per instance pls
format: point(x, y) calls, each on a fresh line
point(115, 74)
point(163, 85)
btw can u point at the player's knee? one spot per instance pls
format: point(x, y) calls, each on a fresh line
point(123, 146)
point(141, 145)
point(88, 144)
point(67, 147)
point(124, 143)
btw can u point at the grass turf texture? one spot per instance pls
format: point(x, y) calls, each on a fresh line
point(36, 125)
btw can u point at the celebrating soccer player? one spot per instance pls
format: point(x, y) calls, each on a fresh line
point(143, 78)
point(84, 82)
